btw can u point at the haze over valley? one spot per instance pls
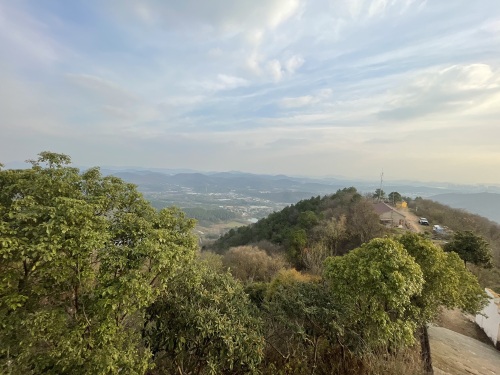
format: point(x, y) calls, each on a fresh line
point(237, 198)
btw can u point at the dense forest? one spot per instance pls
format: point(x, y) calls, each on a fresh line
point(97, 281)
point(206, 216)
point(336, 223)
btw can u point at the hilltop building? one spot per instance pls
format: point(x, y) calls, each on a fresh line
point(388, 215)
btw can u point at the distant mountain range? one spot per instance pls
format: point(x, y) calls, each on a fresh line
point(228, 181)
point(469, 197)
point(484, 204)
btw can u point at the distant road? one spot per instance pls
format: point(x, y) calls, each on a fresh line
point(411, 219)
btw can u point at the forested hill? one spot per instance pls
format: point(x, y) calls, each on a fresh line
point(343, 221)
point(484, 204)
point(460, 220)
point(338, 222)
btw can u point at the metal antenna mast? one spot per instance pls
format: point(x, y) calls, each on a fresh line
point(381, 184)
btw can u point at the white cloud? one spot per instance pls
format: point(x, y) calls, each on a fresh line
point(105, 89)
point(446, 92)
point(24, 35)
point(299, 101)
point(156, 72)
point(366, 9)
point(231, 82)
point(306, 100)
point(182, 101)
point(492, 26)
point(275, 70)
point(294, 63)
point(223, 15)
point(224, 82)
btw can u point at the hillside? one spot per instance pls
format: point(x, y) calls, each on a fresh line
point(98, 279)
point(484, 204)
point(339, 222)
point(460, 220)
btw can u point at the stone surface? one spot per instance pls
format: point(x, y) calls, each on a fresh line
point(456, 354)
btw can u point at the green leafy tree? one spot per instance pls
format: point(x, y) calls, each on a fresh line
point(301, 321)
point(296, 241)
point(81, 257)
point(395, 197)
point(379, 195)
point(446, 283)
point(471, 247)
point(374, 286)
point(308, 219)
point(204, 324)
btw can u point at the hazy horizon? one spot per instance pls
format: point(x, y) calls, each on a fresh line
point(374, 180)
point(293, 87)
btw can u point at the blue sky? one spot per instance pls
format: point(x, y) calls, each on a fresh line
point(341, 87)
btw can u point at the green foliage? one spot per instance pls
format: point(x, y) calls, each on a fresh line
point(257, 292)
point(93, 280)
point(301, 226)
point(372, 300)
point(301, 324)
point(204, 324)
point(471, 247)
point(460, 220)
point(296, 243)
point(395, 197)
point(81, 257)
point(374, 286)
point(379, 194)
point(212, 260)
point(212, 215)
point(446, 282)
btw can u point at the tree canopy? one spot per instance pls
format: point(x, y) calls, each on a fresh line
point(94, 280)
point(346, 218)
point(395, 197)
point(447, 282)
point(471, 247)
point(379, 194)
point(82, 256)
point(204, 323)
point(374, 286)
point(82, 259)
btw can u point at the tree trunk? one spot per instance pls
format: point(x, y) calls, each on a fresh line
point(425, 350)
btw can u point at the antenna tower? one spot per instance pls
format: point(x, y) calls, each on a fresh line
point(381, 184)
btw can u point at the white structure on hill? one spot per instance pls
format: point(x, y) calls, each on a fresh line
point(489, 318)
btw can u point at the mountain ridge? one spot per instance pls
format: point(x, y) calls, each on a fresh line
point(486, 204)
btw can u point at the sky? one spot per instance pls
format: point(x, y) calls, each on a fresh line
point(314, 88)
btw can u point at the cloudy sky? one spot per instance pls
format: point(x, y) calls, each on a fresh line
point(334, 87)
